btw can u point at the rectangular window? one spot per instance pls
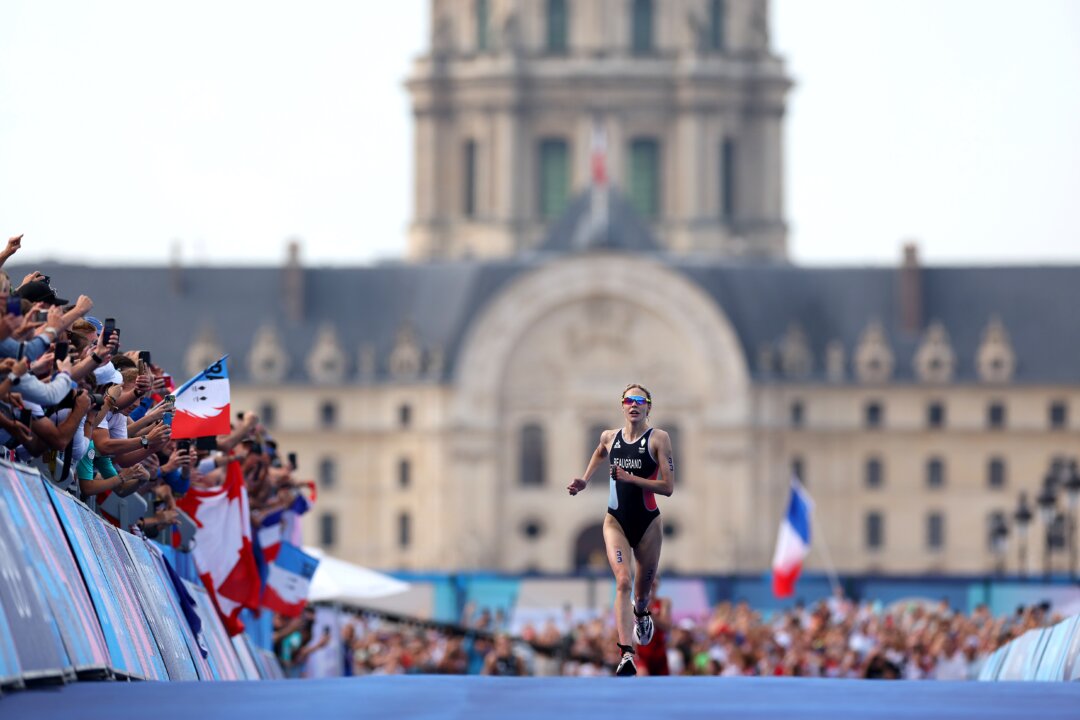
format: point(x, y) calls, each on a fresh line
point(469, 181)
point(797, 414)
point(641, 33)
point(327, 530)
point(935, 531)
point(727, 180)
point(644, 182)
point(875, 474)
point(1059, 415)
point(532, 454)
point(873, 415)
point(268, 414)
point(798, 470)
point(995, 416)
point(482, 21)
point(404, 530)
point(935, 415)
point(404, 473)
point(328, 414)
point(935, 473)
point(717, 13)
point(875, 531)
point(995, 474)
point(557, 25)
point(554, 177)
point(327, 473)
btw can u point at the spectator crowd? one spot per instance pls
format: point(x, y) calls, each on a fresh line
point(837, 638)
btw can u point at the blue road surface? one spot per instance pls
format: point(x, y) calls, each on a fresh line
point(563, 698)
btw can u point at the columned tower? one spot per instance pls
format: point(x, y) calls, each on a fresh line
point(689, 95)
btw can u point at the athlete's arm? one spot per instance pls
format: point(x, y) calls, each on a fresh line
point(664, 484)
point(597, 458)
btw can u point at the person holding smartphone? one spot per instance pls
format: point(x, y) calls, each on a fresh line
point(640, 468)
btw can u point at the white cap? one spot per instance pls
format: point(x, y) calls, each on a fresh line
point(108, 374)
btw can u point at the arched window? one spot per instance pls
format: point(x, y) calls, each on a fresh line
point(557, 26)
point(404, 530)
point(327, 473)
point(641, 34)
point(532, 455)
point(404, 473)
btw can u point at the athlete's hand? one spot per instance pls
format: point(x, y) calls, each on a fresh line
point(576, 486)
point(620, 474)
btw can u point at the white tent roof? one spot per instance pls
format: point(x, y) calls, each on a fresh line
point(339, 581)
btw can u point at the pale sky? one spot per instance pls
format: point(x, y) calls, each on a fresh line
point(129, 125)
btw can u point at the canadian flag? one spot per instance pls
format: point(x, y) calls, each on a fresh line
point(202, 404)
point(222, 549)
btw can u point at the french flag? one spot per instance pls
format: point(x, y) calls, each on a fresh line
point(202, 404)
point(792, 542)
point(288, 581)
point(281, 526)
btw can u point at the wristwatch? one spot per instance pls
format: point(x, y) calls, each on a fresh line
point(145, 441)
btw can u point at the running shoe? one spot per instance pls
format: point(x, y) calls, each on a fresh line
point(626, 666)
point(643, 628)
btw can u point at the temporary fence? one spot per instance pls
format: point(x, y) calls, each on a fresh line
point(82, 599)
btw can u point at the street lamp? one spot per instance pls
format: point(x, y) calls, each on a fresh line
point(1072, 493)
point(999, 542)
point(1047, 502)
point(1022, 516)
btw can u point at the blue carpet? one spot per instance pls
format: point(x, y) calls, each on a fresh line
point(563, 698)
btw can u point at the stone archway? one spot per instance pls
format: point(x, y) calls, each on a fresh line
point(555, 349)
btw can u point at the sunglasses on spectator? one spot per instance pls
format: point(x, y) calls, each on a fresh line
point(634, 400)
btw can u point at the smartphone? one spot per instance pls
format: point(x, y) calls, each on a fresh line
point(292, 460)
point(22, 351)
point(61, 351)
point(40, 316)
point(167, 418)
point(14, 305)
point(144, 355)
point(170, 401)
point(183, 445)
point(108, 329)
point(25, 416)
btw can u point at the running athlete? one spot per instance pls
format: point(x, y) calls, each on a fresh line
point(641, 466)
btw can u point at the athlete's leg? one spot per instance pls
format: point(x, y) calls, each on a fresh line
point(647, 557)
point(618, 555)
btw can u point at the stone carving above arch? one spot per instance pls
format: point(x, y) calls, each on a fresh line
point(935, 361)
point(268, 361)
point(406, 357)
point(533, 325)
point(203, 352)
point(873, 356)
point(995, 360)
point(796, 360)
point(326, 361)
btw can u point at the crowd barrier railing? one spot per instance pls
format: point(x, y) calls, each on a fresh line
point(81, 599)
point(1043, 654)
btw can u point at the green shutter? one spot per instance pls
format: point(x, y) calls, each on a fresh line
point(641, 40)
point(554, 177)
point(716, 24)
point(481, 25)
point(556, 26)
point(644, 182)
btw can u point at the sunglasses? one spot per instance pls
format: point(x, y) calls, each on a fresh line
point(634, 400)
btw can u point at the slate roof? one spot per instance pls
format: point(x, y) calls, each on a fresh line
point(368, 305)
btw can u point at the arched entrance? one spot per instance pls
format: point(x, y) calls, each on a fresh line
point(589, 552)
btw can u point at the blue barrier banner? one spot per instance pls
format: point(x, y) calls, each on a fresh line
point(167, 626)
point(131, 646)
point(1054, 658)
point(10, 670)
point(222, 654)
point(194, 645)
point(30, 621)
point(60, 578)
point(243, 653)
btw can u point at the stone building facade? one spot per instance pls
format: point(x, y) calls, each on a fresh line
point(444, 403)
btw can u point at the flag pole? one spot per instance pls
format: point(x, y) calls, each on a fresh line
point(830, 569)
